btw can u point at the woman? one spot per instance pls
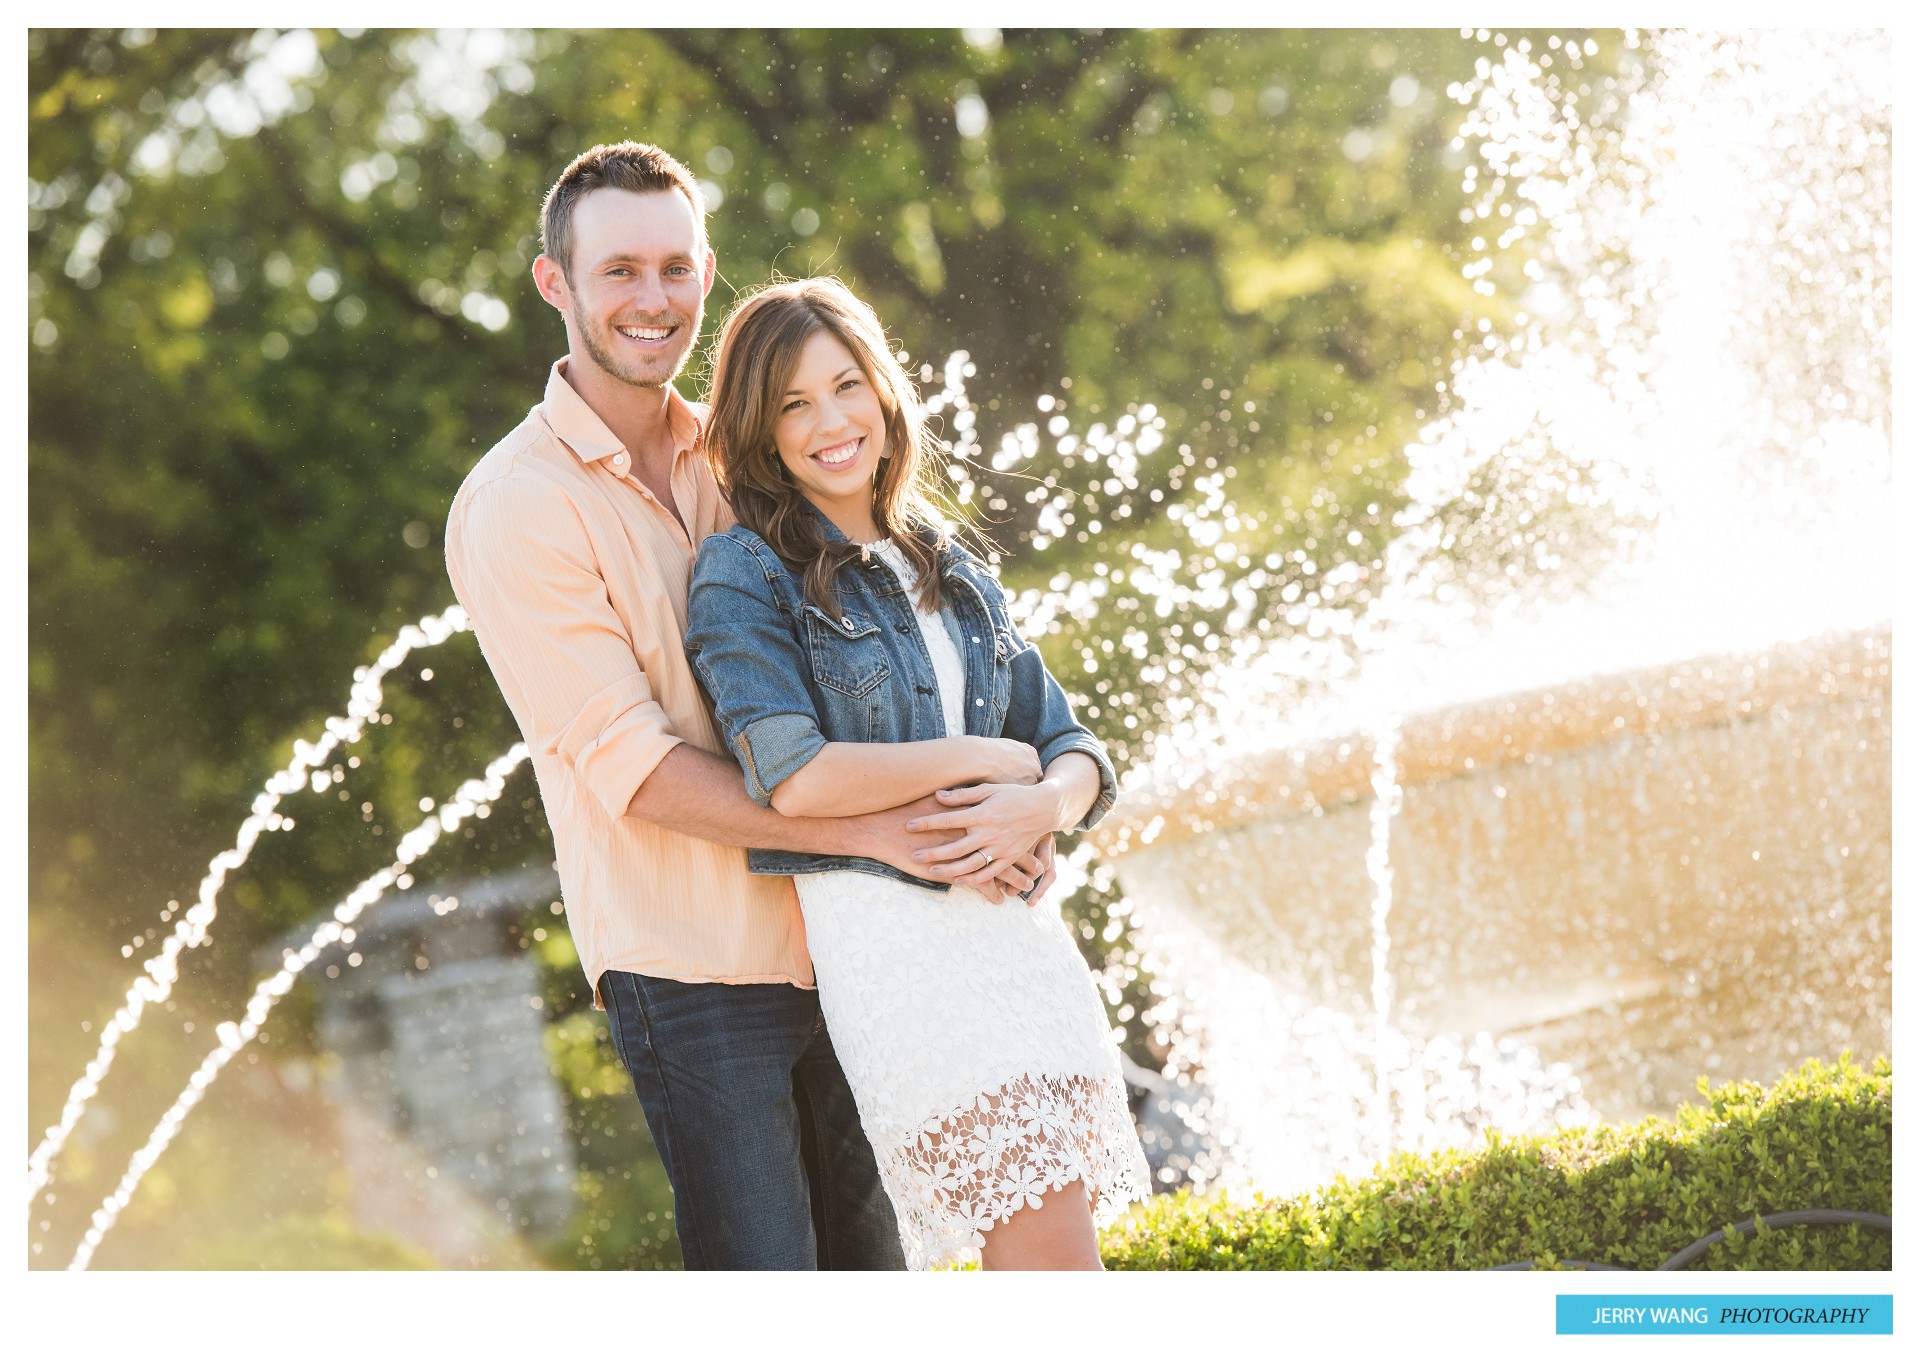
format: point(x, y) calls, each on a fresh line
point(859, 659)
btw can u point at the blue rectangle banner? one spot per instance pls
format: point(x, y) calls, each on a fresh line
point(1718, 1315)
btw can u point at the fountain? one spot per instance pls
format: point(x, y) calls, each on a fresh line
point(162, 970)
point(160, 973)
point(469, 799)
point(1597, 868)
point(1565, 848)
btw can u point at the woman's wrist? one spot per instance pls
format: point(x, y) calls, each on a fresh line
point(1058, 808)
point(978, 758)
point(1076, 777)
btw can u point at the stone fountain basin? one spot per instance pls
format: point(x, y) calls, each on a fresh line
point(1651, 874)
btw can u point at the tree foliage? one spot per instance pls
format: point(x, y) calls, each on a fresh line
point(279, 302)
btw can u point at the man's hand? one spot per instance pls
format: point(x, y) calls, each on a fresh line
point(883, 836)
point(1048, 875)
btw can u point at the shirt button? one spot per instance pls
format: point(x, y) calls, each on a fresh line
point(976, 638)
point(979, 703)
point(847, 624)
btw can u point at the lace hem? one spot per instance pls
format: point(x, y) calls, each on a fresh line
point(969, 1169)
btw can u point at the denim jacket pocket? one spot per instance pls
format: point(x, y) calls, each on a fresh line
point(849, 654)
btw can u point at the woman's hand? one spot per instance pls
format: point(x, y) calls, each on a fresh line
point(999, 760)
point(999, 822)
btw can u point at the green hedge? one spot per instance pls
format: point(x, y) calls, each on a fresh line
point(1627, 1196)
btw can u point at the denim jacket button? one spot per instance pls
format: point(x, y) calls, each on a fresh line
point(847, 624)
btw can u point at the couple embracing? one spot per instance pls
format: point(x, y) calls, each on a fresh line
point(863, 1042)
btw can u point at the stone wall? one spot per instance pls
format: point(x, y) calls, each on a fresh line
point(438, 1045)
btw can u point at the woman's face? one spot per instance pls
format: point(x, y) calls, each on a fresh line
point(830, 429)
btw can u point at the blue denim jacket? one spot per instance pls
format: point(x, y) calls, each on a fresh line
point(786, 679)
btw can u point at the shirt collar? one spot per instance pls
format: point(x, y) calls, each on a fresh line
point(581, 429)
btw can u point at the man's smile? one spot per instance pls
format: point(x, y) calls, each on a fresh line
point(649, 334)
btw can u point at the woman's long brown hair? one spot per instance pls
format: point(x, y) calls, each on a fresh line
point(759, 348)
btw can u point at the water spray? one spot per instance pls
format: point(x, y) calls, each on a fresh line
point(468, 798)
point(163, 969)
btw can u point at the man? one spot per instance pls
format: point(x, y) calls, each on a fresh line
point(570, 544)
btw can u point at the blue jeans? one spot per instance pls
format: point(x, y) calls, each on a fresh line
point(755, 1124)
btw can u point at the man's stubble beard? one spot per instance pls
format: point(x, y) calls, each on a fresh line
point(604, 359)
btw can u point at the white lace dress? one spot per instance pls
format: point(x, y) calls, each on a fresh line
point(973, 1037)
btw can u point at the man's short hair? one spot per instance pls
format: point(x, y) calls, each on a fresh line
point(629, 165)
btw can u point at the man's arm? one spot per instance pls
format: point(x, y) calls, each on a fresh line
point(523, 566)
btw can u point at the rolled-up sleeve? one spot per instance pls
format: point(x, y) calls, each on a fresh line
point(743, 650)
point(522, 564)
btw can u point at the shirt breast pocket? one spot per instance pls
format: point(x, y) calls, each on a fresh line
point(849, 655)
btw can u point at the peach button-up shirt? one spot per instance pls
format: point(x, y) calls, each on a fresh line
point(575, 578)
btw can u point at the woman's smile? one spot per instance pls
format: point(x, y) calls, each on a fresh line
point(841, 455)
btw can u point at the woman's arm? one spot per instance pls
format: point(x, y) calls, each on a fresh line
point(743, 649)
point(747, 659)
point(1038, 711)
point(850, 778)
point(1075, 792)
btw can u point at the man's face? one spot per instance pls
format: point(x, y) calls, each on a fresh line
point(640, 274)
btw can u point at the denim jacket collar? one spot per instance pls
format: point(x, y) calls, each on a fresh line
point(952, 555)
